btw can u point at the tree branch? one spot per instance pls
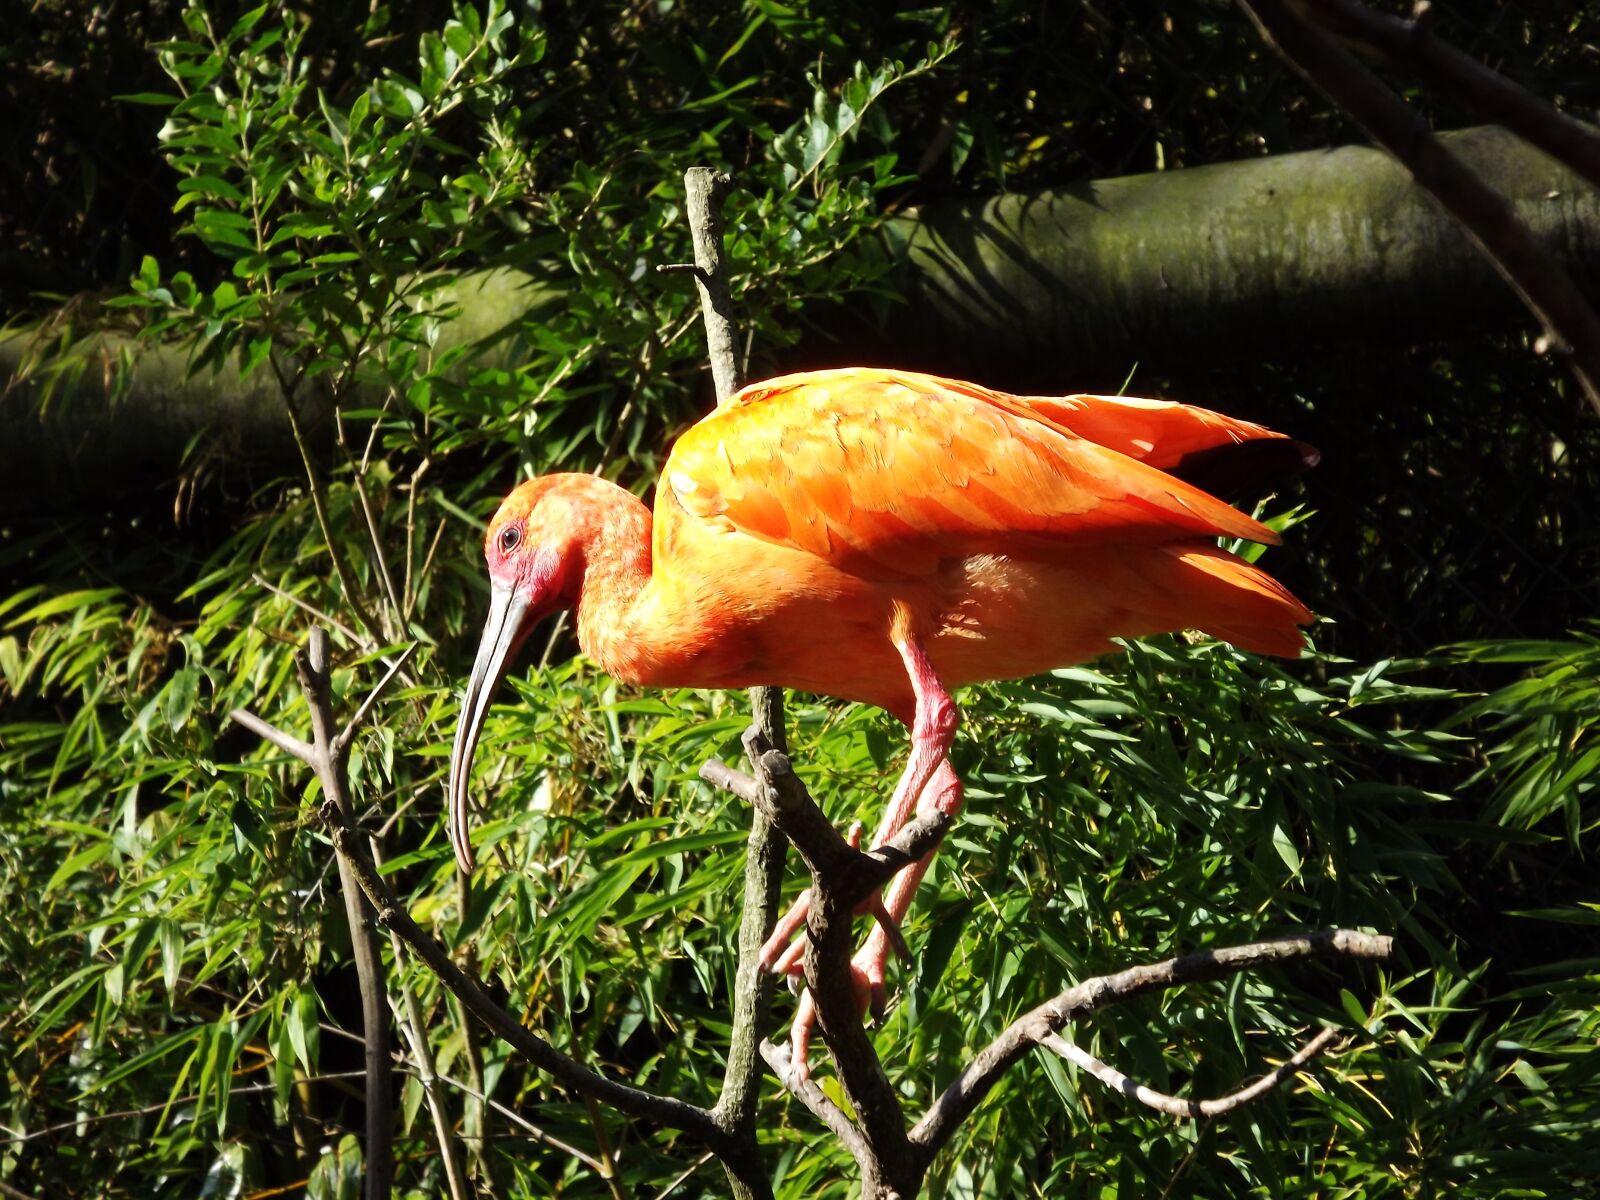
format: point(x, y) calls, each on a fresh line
point(1570, 325)
point(1410, 47)
point(853, 872)
point(328, 758)
point(341, 743)
point(1193, 1110)
point(883, 1153)
point(735, 1111)
point(1030, 1029)
point(414, 1028)
point(814, 1098)
point(704, 190)
point(585, 1081)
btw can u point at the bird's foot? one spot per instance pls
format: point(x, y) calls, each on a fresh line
point(867, 985)
point(783, 950)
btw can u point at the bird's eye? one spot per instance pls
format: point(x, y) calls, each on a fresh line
point(509, 537)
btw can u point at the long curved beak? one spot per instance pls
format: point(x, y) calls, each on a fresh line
point(503, 633)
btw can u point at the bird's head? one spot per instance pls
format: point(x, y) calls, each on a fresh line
point(535, 550)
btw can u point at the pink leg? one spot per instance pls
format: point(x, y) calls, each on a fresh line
point(943, 794)
point(929, 784)
point(933, 728)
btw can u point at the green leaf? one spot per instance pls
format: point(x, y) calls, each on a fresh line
point(160, 99)
point(171, 954)
point(181, 695)
point(82, 860)
point(304, 1031)
point(1284, 845)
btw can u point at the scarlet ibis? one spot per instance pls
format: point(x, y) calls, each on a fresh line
point(882, 536)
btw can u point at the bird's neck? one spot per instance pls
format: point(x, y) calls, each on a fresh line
point(615, 576)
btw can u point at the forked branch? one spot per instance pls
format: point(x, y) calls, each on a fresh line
point(893, 1160)
point(1571, 327)
point(328, 755)
point(1410, 46)
point(365, 886)
point(1032, 1028)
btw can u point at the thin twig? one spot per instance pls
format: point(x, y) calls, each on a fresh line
point(319, 504)
point(128, 1114)
point(684, 1175)
point(286, 742)
point(1192, 1110)
point(1571, 327)
point(332, 622)
point(406, 594)
point(427, 561)
point(534, 1131)
point(359, 640)
point(358, 475)
point(342, 741)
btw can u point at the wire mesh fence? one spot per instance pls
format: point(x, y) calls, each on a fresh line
point(1456, 490)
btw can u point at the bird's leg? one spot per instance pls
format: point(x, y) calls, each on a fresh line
point(933, 728)
point(930, 784)
point(791, 922)
point(943, 794)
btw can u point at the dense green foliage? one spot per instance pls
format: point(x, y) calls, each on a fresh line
point(177, 1004)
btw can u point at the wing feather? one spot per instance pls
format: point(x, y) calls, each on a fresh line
point(885, 472)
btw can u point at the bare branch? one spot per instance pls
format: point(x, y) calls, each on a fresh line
point(799, 816)
point(813, 1097)
point(719, 774)
point(1029, 1030)
point(704, 190)
point(268, 732)
point(329, 759)
point(1409, 46)
point(735, 1111)
point(1193, 1110)
point(884, 1155)
point(415, 1031)
point(1571, 326)
point(391, 913)
point(853, 872)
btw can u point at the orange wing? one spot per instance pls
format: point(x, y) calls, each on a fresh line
point(885, 472)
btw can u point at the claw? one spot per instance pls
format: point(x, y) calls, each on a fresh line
point(890, 927)
point(867, 982)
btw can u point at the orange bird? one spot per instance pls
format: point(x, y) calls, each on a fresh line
point(883, 536)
